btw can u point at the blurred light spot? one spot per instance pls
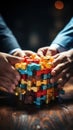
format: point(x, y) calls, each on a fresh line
point(34, 40)
point(38, 127)
point(59, 4)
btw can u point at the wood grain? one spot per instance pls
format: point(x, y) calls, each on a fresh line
point(56, 116)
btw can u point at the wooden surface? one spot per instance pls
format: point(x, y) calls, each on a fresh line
point(55, 116)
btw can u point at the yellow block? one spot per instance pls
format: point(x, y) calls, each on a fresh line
point(23, 81)
point(38, 83)
point(23, 65)
point(44, 82)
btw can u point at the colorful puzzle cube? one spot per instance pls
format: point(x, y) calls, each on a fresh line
point(34, 86)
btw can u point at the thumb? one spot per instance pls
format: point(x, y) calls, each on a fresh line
point(19, 53)
point(14, 59)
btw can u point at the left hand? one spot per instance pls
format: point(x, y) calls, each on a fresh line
point(9, 76)
point(22, 53)
point(19, 53)
point(63, 67)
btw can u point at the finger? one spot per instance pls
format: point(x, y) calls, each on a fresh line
point(14, 59)
point(61, 58)
point(29, 53)
point(60, 76)
point(57, 60)
point(12, 74)
point(59, 68)
point(32, 55)
point(19, 53)
point(7, 84)
point(3, 89)
point(51, 52)
point(42, 51)
point(56, 55)
point(64, 81)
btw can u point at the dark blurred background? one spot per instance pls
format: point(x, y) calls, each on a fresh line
point(36, 23)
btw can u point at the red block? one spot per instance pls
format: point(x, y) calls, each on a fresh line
point(38, 73)
point(40, 93)
point(36, 61)
point(24, 76)
point(46, 71)
point(29, 60)
point(56, 94)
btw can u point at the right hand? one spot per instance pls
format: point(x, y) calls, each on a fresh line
point(63, 67)
point(9, 77)
point(44, 51)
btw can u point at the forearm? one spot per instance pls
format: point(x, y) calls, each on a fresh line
point(64, 39)
point(8, 41)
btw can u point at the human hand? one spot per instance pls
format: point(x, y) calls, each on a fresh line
point(63, 67)
point(44, 51)
point(19, 53)
point(23, 53)
point(9, 76)
point(29, 53)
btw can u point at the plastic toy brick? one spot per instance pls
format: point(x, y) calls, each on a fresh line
point(40, 93)
point(40, 100)
point(35, 80)
point(23, 76)
point(43, 71)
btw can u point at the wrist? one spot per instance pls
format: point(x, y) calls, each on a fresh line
point(58, 48)
point(12, 52)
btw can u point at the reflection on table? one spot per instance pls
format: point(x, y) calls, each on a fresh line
point(56, 116)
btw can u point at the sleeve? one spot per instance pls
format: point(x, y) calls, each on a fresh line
point(8, 41)
point(64, 40)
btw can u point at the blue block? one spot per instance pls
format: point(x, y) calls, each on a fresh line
point(62, 92)
point(49, 85)
point(49, 76)
point(37, 103)
point(43, 87)
point(43, 98)
point(33, 66)
point(39, 100)
point(22, 86)
point(44, 76)
point(54, 85)
point(30, 73)
point(22, 71)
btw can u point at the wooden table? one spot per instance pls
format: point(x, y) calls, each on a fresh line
point(55, 116)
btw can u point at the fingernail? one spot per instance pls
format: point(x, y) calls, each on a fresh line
point(52, 80)
point(60, 80)
point(53, 73)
